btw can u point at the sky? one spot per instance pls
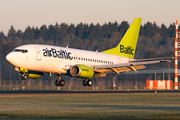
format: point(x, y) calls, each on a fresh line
point(24, 13)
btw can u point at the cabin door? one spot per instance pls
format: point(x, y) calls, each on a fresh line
point(38, 53)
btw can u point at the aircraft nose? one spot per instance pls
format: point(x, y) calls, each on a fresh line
point(9, 57)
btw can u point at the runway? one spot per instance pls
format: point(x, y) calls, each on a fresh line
point(83, 92)
point(89, 104)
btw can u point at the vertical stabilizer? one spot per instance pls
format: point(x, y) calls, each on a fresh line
point(127, 45)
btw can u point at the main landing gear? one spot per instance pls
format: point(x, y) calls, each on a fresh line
point(60, 82)
point(87, 82)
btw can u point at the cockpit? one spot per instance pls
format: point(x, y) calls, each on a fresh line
point(20, 50)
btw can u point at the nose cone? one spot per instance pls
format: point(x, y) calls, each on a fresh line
point(15, 59)
point(9, 57)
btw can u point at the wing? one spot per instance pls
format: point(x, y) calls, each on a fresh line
point(134, 64)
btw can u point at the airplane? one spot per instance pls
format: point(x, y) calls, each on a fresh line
point(33, 60)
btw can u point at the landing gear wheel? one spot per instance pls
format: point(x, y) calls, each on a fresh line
point(57, 83)
point(24, 76)
point(85, 82)
point(89, 82)
point(62, 82)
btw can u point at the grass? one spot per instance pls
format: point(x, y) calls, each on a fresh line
point(90, 106)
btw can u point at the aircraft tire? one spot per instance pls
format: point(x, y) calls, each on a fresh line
point(23, 77)
point(89, 82)
point(57, 83)
point(85, 82)
point(62, 82)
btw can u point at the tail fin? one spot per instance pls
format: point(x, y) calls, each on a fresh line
point(127, 45)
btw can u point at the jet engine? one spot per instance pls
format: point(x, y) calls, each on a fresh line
point(35, 75)
point(28, 74)
point(82, 71)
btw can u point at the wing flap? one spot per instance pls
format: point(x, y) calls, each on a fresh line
point(118, 70)
point(124, 64)
point(165, 59)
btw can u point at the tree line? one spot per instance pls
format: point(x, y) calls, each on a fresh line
point(154, 40)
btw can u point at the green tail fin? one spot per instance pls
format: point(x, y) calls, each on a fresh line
point(127, 45)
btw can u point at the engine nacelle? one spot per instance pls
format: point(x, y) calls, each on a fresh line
point(29, 74)
point(34, 75)
point(82, 71)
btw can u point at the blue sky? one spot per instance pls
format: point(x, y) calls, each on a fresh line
point(21, 13)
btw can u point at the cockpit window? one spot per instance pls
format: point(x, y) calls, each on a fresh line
point(20, 50)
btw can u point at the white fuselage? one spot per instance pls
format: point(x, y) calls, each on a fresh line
point(54, 59)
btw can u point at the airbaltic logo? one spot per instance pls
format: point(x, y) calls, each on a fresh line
point(57, 53)
point(126, 50)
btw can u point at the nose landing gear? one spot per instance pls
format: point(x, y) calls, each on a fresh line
point(24, 76)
